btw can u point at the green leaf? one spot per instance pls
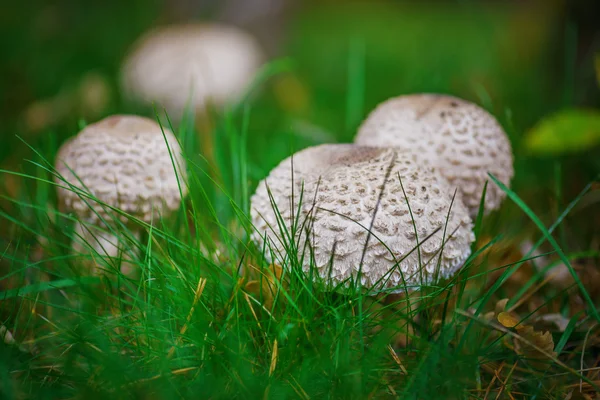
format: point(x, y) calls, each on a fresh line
point(567, 131)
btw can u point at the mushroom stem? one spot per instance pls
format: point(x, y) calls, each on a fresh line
point(205, 128)
point(405, 306)
point(105, 248)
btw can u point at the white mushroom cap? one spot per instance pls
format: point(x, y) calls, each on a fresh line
point(191, 63)
point(340, 186)
point(124, 162)
point(461, 139)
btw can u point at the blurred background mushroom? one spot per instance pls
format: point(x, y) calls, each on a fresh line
point(199, 68)
point(191, 65)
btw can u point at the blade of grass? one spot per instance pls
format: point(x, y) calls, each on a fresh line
point(516, 199)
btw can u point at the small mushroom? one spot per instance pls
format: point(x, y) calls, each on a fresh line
point(328, 195)
point(122, 162)
point(462, 140)
point(198, 63)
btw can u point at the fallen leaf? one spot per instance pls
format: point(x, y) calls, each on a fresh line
point(6, 335)
point(268, 289)
point(537, 347)
point(539, 340)
point(508, 319)
point(567, 131)
point(501, 305)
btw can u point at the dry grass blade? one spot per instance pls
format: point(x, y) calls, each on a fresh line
point(587, 336)
point(197, 295)
point(252, 310)
point(174, 372)
point(504, 382)
point(298, 389)
point(273, 358)
point(397, 360)
point(526, 342)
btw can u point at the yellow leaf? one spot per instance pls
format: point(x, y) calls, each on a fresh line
point(508, 319)
point(567, 131)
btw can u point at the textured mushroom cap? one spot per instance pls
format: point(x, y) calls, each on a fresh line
point(461, 139)
point(336, 188)
point(191, 63)
point(124, 162)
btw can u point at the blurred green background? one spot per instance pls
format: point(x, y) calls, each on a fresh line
point(521, 60)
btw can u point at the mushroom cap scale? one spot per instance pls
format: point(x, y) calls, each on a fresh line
point(462, 140)
point(124, 162)
point(331, 200)
point(194, 63)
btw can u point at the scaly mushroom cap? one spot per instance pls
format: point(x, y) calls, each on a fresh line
point(336, 188)
point(463, 141)
point(124, 162)
point(191, 63)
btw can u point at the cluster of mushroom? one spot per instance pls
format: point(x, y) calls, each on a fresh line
point(126, 168)
point(394, 210)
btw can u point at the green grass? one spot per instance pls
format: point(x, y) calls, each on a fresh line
point(209, 317)
point(192, 324)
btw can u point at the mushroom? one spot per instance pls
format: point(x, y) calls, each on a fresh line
point(331, 196)
point(125, 163)
point(198, 63)
point(462, 140)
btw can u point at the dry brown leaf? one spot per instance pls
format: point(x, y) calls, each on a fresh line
point(501, 306)
point(536, 346)
point(252, 287)
point(502, 253)
point(541, 340)
point(6, 335)
point(488, 316)
point(269, 287)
